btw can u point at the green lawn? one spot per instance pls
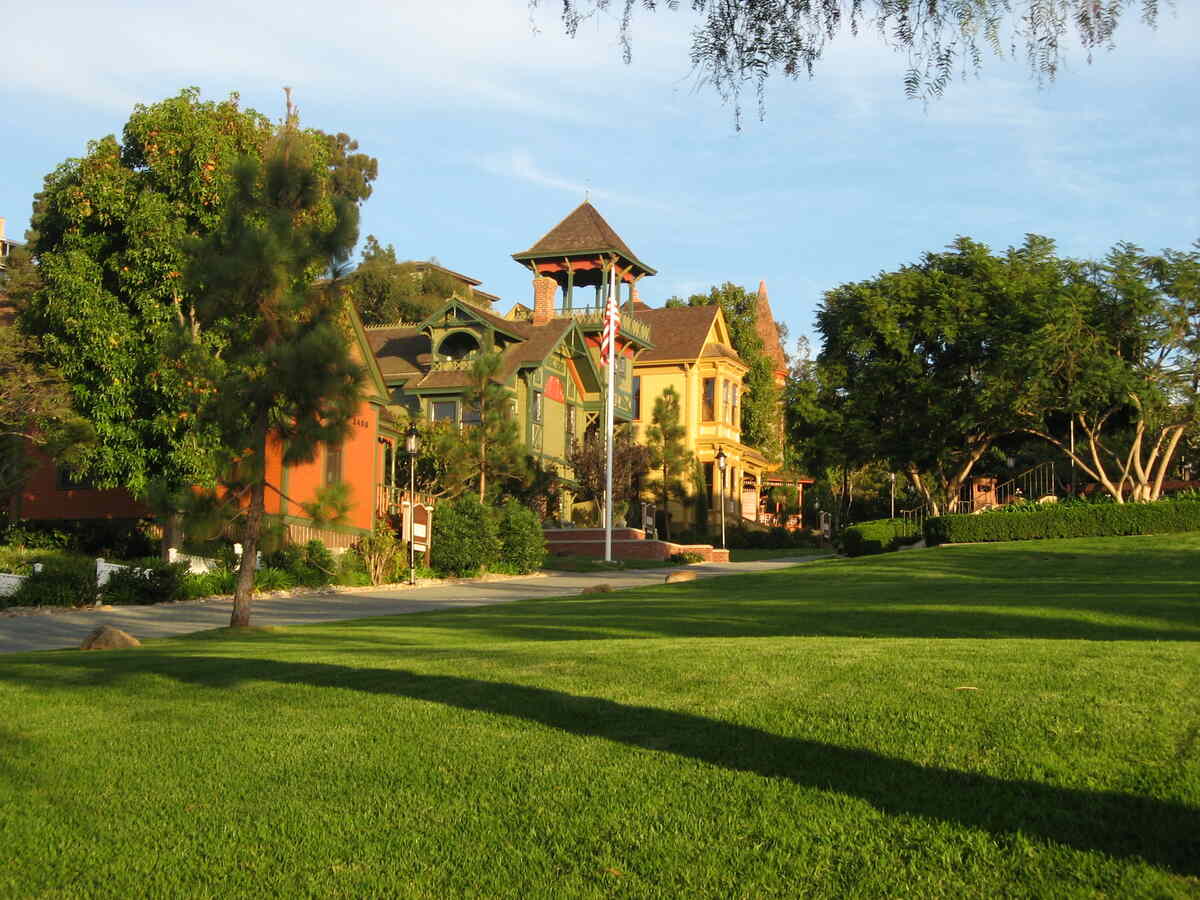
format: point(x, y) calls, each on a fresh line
point(991, 720)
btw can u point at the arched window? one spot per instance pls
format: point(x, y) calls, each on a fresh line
point(458, 345)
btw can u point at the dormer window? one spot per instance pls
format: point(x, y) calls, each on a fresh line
point(459, 345)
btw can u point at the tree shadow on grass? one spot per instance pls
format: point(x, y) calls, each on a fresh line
point(1163, 833)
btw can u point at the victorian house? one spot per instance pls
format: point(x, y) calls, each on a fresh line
point(550, 361)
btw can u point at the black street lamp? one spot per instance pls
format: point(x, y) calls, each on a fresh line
point(412, 443)
point(721, 463)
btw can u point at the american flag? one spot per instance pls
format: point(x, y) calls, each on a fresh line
point(612, 323)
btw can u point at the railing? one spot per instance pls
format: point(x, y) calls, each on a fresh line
point(592, 315)
point(451, 365)
point(390, 500)
point(1031, 484)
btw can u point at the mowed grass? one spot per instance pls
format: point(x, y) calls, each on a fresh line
point(993, 720)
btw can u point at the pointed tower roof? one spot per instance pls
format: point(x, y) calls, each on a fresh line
point(768, 332)
point(582, 233)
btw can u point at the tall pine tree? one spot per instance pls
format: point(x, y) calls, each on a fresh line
point(277, 366)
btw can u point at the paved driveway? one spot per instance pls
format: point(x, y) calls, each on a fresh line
point(51, 632)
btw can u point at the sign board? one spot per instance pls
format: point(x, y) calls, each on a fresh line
point(420, 527)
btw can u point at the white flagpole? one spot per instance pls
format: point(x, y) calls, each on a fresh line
point(608, 422)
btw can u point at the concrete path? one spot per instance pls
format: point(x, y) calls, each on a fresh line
point(57, 631)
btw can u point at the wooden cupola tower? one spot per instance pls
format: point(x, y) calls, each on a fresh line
point(577, 254)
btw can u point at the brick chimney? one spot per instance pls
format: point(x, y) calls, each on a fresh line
point(544, 289)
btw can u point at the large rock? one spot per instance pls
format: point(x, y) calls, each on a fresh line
point(108, 638)
point(675, 577)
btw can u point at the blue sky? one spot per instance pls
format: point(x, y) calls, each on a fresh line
point(490, 124)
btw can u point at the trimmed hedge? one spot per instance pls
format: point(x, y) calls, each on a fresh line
point(878, 536)
point(1067, 521)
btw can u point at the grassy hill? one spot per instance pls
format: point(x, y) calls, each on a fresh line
point(1009, 719)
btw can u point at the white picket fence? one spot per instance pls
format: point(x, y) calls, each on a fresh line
point(197, 565)
point(10, 584)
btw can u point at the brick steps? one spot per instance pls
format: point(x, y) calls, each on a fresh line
point(628, 543)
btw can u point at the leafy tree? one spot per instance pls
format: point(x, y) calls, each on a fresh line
point(589, 460)
point(916, 366)
point(274, 361)
point(740, 42)
point(35, 403)
point(836, 448)
point(494, 441)
point(668, 452)
point(1119, 356)
point(109, 232)
point(387, 291)
point(760, 403)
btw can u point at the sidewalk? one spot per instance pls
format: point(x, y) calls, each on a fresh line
point(57, 631)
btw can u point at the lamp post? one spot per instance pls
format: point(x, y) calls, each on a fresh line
point(721, 462)
point(412, 443)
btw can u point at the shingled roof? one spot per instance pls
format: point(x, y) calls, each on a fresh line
point(768, 332)
point(402, 350)
point(583, 231)
point(678, 332)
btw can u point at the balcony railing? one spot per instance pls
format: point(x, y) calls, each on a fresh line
point(592, 315)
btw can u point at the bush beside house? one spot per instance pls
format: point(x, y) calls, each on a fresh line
point(469, 538)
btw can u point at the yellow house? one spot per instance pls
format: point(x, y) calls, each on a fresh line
point(693, 354)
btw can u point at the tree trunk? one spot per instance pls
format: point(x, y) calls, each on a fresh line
point(251, 531)
point(918, 483)
point(172, 534)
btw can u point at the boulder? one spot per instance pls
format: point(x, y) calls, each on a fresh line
point(108, 638)
point(675, 577)
point(597, 589)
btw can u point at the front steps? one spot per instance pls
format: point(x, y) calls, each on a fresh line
point(627, 543)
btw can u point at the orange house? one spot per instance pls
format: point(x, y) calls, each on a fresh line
point(359, 462)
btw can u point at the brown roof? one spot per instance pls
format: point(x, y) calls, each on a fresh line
point(582, 231)
point(768, 332)
point(399, 351)
point(678, 332)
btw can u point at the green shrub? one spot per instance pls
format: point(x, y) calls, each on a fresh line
point(1034, 522)
point(522, 542)
point(211, 583)
point(269, 578)
point(464, 537)
point(878, 536)
point(687, 557)
point(311, 565)
point(62, 582)
point(382, 554)
point(32, 537)
point(351, 570)
point(109, 538)
point(156, 582)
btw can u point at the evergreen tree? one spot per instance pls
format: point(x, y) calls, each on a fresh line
point(275, 367)
point(668, 452)
point(494, 440)
point(109, 233)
